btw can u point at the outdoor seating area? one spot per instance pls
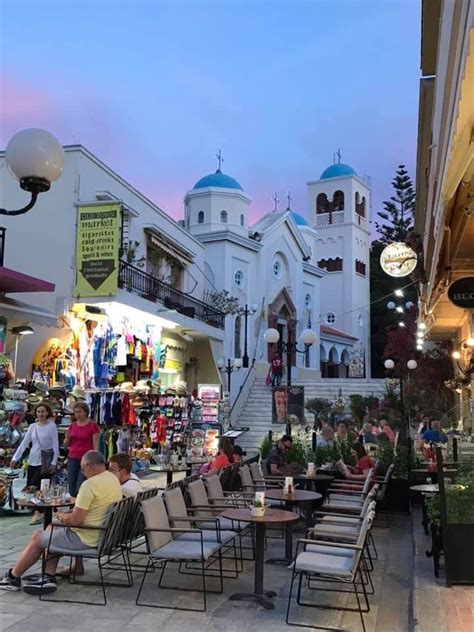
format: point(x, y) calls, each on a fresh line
point(199, 547)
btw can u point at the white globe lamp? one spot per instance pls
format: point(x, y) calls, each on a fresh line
point(308, 337)
point(271, 336)
point(35, 158)
point(412, 364)
point(389, 365)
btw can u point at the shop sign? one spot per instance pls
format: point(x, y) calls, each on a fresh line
point(97, 250)
point(461, 293)
point(398, 260)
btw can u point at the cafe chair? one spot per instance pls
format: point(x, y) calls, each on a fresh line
point(179, 516)
point(135, 535)
point(322, 564)
point(165, 546)
point(113, 542)
point(217, 496)
point(345, 525)
point(200, 506)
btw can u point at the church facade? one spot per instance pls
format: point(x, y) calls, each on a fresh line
point(298, 272)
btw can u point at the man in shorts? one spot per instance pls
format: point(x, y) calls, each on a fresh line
point(100, 491)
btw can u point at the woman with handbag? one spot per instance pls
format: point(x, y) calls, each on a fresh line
point(42, 437)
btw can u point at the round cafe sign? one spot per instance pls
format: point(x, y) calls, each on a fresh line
point(398, 260)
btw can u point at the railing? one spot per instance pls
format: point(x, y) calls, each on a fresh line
point(138, 282)
point(326, 219)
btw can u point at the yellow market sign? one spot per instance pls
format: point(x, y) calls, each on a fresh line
point(398, 260)
point(97, 250)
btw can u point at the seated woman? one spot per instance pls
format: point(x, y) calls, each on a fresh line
point(363, 463)
point(225, 456)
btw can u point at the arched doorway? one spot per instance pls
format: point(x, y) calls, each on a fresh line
point(333, 363)
point(282, 317)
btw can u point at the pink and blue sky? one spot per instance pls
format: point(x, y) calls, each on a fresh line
point(154, 88)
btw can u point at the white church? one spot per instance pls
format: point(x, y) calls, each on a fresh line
point(294, 271)
point(303, 273)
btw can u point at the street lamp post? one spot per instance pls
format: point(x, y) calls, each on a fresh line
point(229, 366)
point(307, 338)
point(246, 312)
point(411, 365)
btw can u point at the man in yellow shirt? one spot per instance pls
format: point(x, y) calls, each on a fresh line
point(96, 495)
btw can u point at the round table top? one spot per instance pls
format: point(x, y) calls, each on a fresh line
point(429, 488)
point(271, 516)
point(298, 496)
point(55, 502)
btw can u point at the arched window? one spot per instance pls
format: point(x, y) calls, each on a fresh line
point(224, 217)
point(360, 206)
point(237, 331)
point(338, 201)
point(322, 204)
point(242, 220)
point(201, 217)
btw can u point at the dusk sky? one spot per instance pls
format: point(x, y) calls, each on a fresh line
point(154, 88)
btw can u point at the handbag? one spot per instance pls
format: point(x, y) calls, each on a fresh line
point(46, 457)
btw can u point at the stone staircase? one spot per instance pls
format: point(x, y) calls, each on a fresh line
point(256, 413)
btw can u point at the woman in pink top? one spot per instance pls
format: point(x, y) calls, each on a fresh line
point(81, 436)
point(384, 427)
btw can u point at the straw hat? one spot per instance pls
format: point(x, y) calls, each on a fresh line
point(127, 387)
point(40, 387)
point(142, 386)
point(78, 392)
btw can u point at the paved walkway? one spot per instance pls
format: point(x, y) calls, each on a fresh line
point(437, 608)
point(402, 602)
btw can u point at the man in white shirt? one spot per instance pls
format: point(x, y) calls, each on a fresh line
point(121, 466)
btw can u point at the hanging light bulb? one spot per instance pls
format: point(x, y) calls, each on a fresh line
point(398, 293)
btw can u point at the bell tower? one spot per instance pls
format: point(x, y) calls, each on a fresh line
point(339, 207)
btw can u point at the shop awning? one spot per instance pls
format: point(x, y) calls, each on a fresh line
point(12, 281)
point(28, 314)
point(170, 248)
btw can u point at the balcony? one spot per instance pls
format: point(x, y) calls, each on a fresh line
point(138, 282)
point(327, 219)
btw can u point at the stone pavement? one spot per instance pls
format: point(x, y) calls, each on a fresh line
point(437, 608)
point(391, 607)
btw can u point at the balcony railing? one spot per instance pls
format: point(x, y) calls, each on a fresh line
point(138, 282)
point(326, 219)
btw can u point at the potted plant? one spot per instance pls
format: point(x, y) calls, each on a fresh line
point(398, 492)
point(319, 407)
point(258, 507)
point(458, 532)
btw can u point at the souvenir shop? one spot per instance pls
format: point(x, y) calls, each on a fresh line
point(130, 368)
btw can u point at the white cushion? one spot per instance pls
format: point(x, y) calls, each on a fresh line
point(330, 550)
point(329, 529)
point(336, 566)
point(346, 519)
point(186, 550)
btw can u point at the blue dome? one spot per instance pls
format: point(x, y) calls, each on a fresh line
point(337, 170)
point(299, 219)
point(218, 179)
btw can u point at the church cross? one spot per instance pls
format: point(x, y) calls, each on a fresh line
point(289, 198)
point(339, 156)
point(220, 159)
point(276, 201)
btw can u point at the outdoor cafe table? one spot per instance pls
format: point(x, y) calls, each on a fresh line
point(298, 497)
point(423, 490)
point(170, 470)
point(317, 482)
point(48, 507)
point(436, 540)
point(434, 474)
point(272, 516)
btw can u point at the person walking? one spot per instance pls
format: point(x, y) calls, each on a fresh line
point(81, 436)
point(42, 439)
point(276, 367)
